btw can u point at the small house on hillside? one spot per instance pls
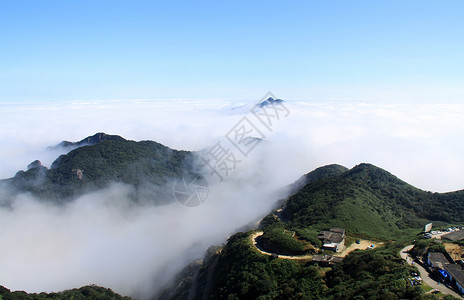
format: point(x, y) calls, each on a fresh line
point(456, 276)
point(437, 260)
point(448, 269)
point(333, 240)
point(326, 260)
point(454, 236)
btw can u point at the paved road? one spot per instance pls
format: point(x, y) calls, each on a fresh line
point(425, 275)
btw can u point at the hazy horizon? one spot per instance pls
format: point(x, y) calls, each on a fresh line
point(398, 137)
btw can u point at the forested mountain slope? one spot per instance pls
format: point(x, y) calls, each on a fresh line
point(146, 165)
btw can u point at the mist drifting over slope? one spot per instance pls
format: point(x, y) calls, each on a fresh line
point(103, 238)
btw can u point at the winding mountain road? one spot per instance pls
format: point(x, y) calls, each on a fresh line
point(361, 246)
point(404, 253)
point(253, 237)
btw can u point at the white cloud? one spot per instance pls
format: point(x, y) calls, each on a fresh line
point(102, 239)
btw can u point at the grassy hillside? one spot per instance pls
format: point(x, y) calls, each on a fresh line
point(366, 201)
point(319, 173)
point(369, 201)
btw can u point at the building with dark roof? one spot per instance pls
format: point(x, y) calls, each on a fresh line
point(437, 260)
point(333, 240)
point(338, 230)
point(326, 260)
point(448, 269)
point(454, 236)
point(456, 274)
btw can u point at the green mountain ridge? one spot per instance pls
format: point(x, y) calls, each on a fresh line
point(146, 165)
point(368, 202)
point(89, 141)
point(321, 172)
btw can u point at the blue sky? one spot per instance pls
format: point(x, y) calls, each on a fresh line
point(368, 50)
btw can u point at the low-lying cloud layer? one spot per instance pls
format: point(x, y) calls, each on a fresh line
point(102, 238)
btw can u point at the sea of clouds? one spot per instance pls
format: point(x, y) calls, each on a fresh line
point(102, 238)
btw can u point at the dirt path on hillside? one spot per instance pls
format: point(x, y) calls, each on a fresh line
point(363, 245)
point(253, 237)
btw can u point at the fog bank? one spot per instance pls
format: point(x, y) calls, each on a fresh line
point(101, 238)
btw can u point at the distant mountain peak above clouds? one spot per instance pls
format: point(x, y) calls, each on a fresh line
point(88, 141)
point(99, 160)
point(270, 101)
point(244, 108)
